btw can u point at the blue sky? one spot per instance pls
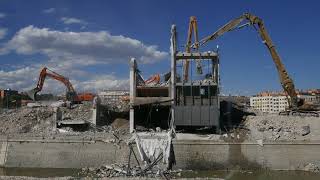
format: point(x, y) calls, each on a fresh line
point(92, 41)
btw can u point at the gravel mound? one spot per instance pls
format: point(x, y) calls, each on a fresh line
point(78, 112)
point(273, 127)
point(26, 120)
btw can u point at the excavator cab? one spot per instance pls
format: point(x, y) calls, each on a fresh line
point(73, 97)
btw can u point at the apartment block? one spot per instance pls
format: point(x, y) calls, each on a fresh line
point(276, 102)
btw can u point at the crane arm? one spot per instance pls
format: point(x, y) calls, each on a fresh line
point(193, 28)
point(285, 80)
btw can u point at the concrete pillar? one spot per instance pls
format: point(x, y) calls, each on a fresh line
point(57, 116)
point(94, 116)
point(133, 67)
point(96, 110)
point(173, 49)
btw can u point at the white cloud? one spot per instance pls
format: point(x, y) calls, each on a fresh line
point(48, 11)
point(2, 15)
point(84, 48)
point(70, 20)
point(18, 79)
point(3, 32)
point(68, 53)
point(103, 82)
point(25, 78)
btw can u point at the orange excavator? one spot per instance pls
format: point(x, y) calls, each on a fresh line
point(297, 106)
point(71, 94)
point(155, 79)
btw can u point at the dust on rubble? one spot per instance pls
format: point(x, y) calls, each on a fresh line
point(77, 112)
point(25, 120)
point(125, 171)
point(273, 127)
point(39, 119)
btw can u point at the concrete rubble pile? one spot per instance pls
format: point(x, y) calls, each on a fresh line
point(118, 106)
point(311, 168)
point(78, 112)
point(26, 120)
point(160, 84)
point(117, 101)
point(121, 170)
point(38, 118)
point(274, 127)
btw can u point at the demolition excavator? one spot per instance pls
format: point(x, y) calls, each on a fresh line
point(296, 106)
point(71, 94)
point(193, 29)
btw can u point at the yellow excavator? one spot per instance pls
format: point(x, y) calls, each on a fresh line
point(193, 29)
point(296, 105)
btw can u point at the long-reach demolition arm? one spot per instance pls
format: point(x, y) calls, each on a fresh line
point(71, 94)
point(192, 28)
point(286, 81)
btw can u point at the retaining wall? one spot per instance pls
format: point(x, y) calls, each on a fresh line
point(190, 154)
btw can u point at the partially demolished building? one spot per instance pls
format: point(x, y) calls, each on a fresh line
point(194, 102)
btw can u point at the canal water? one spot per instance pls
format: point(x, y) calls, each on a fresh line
point(228, 175)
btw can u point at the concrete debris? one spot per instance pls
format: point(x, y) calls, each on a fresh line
point(158, 129)
point(8, 177)
point(37, 118)
point(305, 130)
point(120, 126)
point(25, 120)
point(160, 84)
point(311, 168)
point(78, 112)
point(260, 142)
point(117, 101)
point(121, 170)
point(58, 104)
point(274, 127)
point(120, 123)
point(34, 105)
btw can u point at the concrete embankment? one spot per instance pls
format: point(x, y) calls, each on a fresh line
point(190, 154)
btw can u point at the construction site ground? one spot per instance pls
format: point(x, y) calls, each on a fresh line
point(38, 122)
point(246, 133)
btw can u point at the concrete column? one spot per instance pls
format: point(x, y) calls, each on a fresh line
point(96, 110)
point(57, 116)
point(173, 49)
point(133, 67)
point(94, 116)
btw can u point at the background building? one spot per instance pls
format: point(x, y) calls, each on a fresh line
point(275, 102)
point(9, 98)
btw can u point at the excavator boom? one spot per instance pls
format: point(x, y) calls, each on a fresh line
point(252, 20)
point(193, 28)
point(45, 72)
